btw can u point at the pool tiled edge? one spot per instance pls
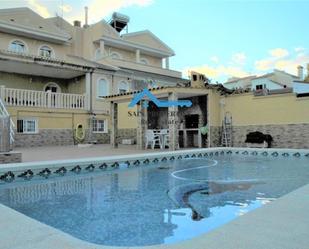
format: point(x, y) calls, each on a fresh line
point(271, 226)
point(10, 172)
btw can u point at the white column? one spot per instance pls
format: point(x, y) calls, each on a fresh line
point(88, 91)
point(138, 55)
point(102, 48)
point(167, 63)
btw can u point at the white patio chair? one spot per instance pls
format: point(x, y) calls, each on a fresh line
point(165, 138)
point(152, 139)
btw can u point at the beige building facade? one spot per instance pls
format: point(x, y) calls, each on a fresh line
point(53, 75)
point(64, 84)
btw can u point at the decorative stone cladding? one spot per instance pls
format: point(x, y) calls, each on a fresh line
point(126, 134)
point(99, 138)
point(47, 137)
point(294, 136)
point(10, 157)
point(215, 136)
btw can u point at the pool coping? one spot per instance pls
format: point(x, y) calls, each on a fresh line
point(271, 226)
point(24, 170)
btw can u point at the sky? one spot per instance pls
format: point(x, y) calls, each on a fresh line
point(219, 38)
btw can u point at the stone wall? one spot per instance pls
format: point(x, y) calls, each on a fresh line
point(284, 136)
point(126, 134)
point(99, 138)
point(47, 137)
point(10, 157)
point(215, 136)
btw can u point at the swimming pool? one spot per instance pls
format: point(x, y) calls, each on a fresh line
point(161, 202)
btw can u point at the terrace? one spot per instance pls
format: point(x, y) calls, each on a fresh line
point(48, 99)
point(181, 123)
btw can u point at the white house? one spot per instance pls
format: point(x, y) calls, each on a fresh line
point(272, 81)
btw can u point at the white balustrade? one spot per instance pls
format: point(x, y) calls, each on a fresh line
point(29, 98)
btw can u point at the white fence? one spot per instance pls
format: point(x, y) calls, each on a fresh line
point(29, 98)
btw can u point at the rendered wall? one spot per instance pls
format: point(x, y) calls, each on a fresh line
point(272, 109)
point(33, 45)
point(55, 126)
point(37, 83)
point(283, 116)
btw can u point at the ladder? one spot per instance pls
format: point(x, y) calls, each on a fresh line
point(4, 114)
point(226, 138)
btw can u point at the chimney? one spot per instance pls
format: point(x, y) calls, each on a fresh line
point(77, 23)
point(86, 17)
point(300, 72)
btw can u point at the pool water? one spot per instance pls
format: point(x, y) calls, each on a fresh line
point(158, 203)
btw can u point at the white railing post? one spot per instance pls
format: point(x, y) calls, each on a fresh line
point(22, 97)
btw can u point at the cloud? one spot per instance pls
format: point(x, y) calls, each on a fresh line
point(279, 52)
point(239, 58)
point(218, 71)
point(98, 9)
point(233, 67)
point(299, 49)
point(66, 8)
point(264, 64)
point(286, 63)
point(39, 8)
point(214, 59)
point(279, 58)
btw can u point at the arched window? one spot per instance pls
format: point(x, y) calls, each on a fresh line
point(53, 87)
point(18, 47)
point(102, 88)
point(123, 87)
point(115, 56)
point(97, 54)
point(46, 51)
point(143, 61)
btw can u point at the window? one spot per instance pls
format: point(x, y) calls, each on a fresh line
point(143, 61)
point(53, 87)
point(115, 55)
point(97, 54)
point(99, 126)
point(259, 87)
point(27, 126)
point(46, 51)
point(123, 87)
point(17, 47)
point(102, 88)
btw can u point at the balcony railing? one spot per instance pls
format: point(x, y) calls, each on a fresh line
point(29, 98)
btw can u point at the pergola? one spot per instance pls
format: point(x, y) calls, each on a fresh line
point(162, 93)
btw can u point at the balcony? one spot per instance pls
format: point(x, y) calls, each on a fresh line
point(141, 67)
point(29, 98)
